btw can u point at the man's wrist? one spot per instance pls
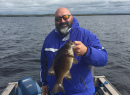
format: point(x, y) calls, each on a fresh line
point(85, 51)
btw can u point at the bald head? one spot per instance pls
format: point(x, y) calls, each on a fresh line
point(62, 11)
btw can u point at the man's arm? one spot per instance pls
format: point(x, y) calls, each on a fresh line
point(44, 72)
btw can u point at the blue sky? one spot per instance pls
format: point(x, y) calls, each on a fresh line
point(75, 6)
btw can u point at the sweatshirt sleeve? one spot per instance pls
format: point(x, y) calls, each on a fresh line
point(43, 71)
point(96, 55)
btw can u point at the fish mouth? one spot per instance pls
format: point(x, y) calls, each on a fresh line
point(73, 45)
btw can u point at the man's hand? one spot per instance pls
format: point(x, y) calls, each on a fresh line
point(45, 90)
point(80, 49)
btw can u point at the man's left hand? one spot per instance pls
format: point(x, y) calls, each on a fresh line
point(80, 49)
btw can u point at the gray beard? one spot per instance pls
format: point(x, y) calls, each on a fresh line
point(64, 30)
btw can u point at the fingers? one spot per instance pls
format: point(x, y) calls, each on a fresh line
point(80, 49)
point(45, 90)
point(77, 42)
point(77, 45)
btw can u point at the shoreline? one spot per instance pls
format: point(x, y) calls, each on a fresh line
point(44, 15)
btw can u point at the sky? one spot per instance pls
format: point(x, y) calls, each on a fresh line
point(24, 7)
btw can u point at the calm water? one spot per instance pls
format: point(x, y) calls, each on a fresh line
point(21, 40)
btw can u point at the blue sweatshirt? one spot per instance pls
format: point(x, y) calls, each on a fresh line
point(96, 55)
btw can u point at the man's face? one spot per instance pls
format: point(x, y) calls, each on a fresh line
point(63, 25)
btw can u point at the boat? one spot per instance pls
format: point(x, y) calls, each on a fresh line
point(102, 87)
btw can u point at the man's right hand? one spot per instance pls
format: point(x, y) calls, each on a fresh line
point(45, 90)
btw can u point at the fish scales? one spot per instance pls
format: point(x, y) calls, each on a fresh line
point(61, 66)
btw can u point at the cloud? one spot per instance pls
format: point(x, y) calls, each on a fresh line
point(75, 6)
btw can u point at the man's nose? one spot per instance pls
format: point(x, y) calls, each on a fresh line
point(62, 20)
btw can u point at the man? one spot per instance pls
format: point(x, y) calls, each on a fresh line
point(88, 52)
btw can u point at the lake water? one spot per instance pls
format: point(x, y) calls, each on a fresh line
point(21, 40)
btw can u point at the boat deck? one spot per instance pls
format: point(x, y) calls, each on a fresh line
point(99, 82)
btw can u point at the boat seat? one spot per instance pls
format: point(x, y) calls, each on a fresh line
point(27, 86)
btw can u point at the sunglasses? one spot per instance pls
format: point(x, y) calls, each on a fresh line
point(65, 17)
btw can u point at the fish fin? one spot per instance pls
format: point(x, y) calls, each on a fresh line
point(69, 55)
point(75, 61)
point(68, 76)
point(58, 88)
point(51, 70)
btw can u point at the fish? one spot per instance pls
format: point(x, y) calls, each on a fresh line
point(61, 66)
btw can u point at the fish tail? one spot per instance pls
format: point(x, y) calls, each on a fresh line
point(58, 88)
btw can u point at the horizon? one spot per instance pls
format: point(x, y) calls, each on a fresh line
point(72, 14)
point(40, 7)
